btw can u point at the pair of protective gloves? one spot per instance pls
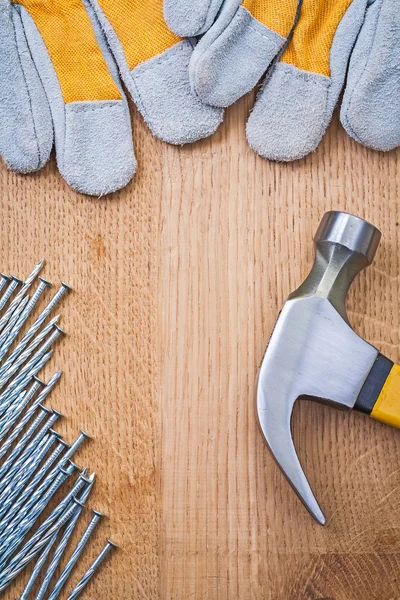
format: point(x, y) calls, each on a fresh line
point(62, 62)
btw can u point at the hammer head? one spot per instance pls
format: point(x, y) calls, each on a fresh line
point(313, 351)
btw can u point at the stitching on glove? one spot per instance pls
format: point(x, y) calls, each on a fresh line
point(72, 107)
point(267, 34)
point(305, 76)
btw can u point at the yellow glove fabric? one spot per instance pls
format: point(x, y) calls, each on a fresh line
point(73, 49)
point(276, 15)
point(141, 29)
point(310, 46)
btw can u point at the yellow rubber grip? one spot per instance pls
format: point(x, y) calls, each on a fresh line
point(387, 406)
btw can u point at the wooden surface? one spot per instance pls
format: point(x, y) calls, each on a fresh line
point(178, 281)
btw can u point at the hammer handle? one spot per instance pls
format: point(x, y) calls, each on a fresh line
point(387, 406)
point(380, 395)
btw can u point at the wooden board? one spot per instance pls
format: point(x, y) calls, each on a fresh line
point(178, 281)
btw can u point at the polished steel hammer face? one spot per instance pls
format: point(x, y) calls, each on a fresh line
point(314, 352)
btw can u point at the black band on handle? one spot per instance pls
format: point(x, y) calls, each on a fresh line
point(373, 384)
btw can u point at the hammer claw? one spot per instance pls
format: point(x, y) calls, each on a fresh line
point(280, 442)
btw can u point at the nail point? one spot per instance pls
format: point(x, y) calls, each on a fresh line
point(53, 380)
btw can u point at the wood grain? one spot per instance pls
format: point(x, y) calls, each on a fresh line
point(178, 281)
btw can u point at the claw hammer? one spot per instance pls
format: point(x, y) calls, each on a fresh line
point(313, 350)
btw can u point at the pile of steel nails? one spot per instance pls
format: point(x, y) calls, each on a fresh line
point(35, 461)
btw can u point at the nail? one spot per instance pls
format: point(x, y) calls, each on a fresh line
point(18, 528)
point(15, 409)
point(8, 413)
point(16, 386)
point(78, 442)
point(53, 329)
point(12, 397)
point(9, 320)
point(37, 324)
point(31, 489)
point(16, 353)
point(16, 488)
point(75, 555)
point(78, 589)
point(58, 553)
point(82, 482)
point(15, 568)
point(55, 478)
point(4, 279)
point(13, 313)
point(57, 332)
point(21, 444)
point(31, 448)
point(39, 321)
point(28, 467)
point(18, 563)
point(52, 523)
point(25, 287)
point(36, 270)
point(12, 364)
point(37, 568)
point(30, 412)
point(33, 484)
point(9, 291)
point(54, 379)
point(10, 334)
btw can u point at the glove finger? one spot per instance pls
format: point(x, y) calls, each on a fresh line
point(297, 100)
point(26, 132)
point(234, 54)
point(91, 120)
point(189, 18)
point(154, 65)
point(371, 103)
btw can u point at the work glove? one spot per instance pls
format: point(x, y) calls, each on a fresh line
point(309, 47)
point(60, 68)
